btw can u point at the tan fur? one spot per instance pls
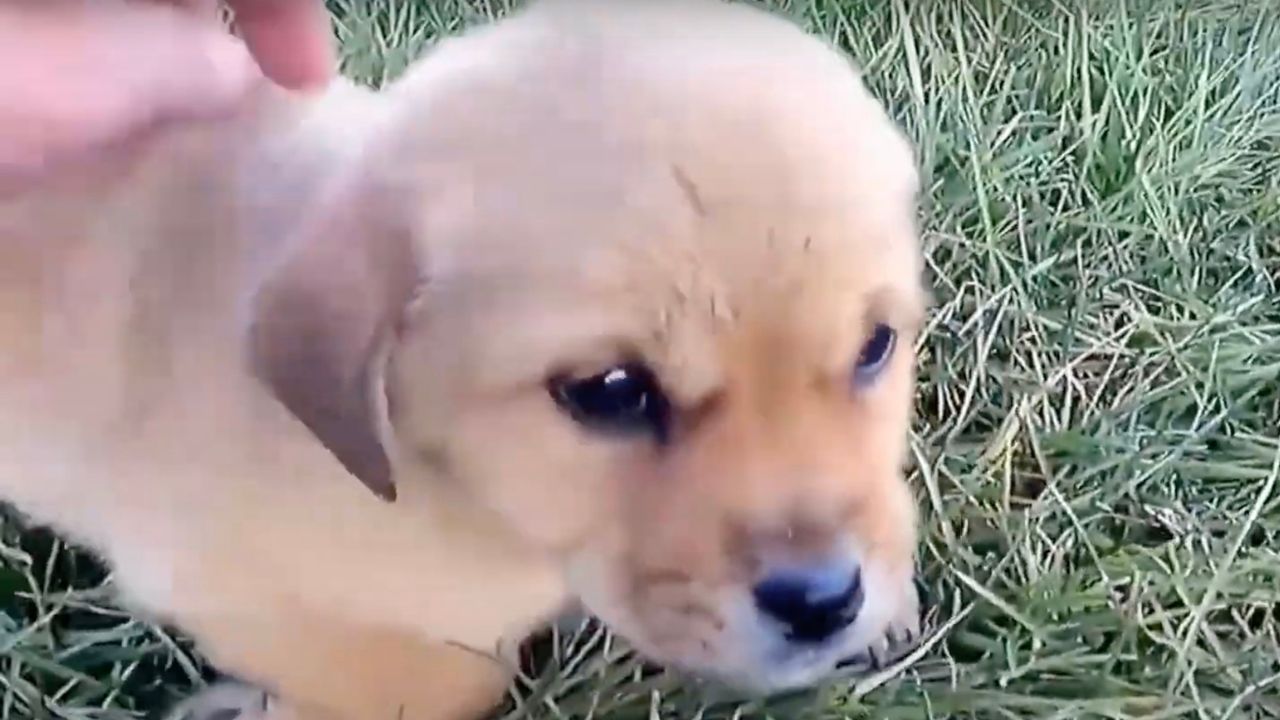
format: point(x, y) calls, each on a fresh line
point(189, 352)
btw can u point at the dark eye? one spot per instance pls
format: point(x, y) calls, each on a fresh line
point(874, 355)
point(625, 400)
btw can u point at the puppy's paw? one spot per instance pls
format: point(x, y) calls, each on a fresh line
point(232, 701)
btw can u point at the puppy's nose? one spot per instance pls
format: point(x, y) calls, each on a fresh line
point(813, 603)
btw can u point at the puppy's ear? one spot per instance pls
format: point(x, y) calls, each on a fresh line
point(323, 321)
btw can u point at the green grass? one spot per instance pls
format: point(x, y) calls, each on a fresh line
point(1096, 446)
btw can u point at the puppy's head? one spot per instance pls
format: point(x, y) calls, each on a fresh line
point(642, 279)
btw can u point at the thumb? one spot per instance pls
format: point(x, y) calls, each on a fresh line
point(82, 76)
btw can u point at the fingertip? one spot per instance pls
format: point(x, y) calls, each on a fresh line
point(292, 41)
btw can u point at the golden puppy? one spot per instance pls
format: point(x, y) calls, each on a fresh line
point(615, 300)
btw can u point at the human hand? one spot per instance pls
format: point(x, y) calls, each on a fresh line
point(80, 78)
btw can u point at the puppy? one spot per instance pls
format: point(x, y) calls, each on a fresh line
point(610, 301)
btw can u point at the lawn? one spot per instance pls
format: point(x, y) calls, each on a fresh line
point(1096, 445)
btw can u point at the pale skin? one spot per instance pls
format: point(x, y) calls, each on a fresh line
point(85, 80)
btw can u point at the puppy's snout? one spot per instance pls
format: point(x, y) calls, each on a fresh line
point(812, 603)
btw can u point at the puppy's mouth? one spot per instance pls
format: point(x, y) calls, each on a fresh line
point(898, 641)
point(792, 665)
point(895, 646)
point(743, 639)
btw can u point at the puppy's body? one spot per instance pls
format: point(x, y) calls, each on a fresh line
point(130, 423)
point(586, 181)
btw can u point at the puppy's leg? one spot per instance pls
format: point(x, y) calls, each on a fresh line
point(325, 670)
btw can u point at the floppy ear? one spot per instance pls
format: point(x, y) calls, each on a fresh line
point(323, 321)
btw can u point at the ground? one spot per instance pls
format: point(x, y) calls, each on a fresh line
point(1096, 447)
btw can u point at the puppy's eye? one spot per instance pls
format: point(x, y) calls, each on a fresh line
point(625, 399)
point(874, 355)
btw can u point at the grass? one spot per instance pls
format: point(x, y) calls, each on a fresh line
point(1096, 446)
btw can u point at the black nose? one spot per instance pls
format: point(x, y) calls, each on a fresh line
point(813, 604)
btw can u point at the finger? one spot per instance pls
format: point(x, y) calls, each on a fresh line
point(104, 71)
point(292, 40)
